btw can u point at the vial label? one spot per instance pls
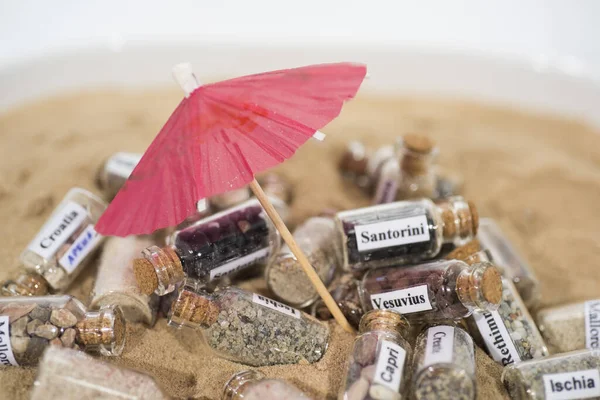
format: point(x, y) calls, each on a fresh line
point(386, 192)
point(592, 324)
point(58, 229)
point(6, 354)
point(572, 385)
point(239, 263)
point(387, 185)
point(404, 301)
point(81, 247)
point(390, 363)
point(440, 345)
point(122, 164)
point(496, 337)
point(275, 305)
point(392, 233)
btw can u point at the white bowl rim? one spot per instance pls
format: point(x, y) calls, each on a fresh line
point(529, 83)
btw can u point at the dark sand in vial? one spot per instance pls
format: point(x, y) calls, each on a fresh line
point(539, 176)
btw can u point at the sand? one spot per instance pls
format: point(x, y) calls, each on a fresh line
point(538, 176)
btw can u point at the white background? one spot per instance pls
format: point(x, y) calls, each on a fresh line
point(564, 34)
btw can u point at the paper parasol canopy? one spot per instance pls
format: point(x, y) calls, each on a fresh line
point(220, 136)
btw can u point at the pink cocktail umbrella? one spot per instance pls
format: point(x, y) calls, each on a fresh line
point(220, 136)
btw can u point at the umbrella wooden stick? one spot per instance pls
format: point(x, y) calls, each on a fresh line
point(308, 269)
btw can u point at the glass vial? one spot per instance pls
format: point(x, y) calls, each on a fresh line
point(388, 178)
point(511, 263)
point(375, 163)
point(574, 375)
point(65, 243)
point(34, 323)
point(279, 190)
point(275, 186)
point(378, 365)
point(417, 155)
point(403, 232)
point(444, 364)
point(473, 252)
point(285, 277)
point(571, 327)
point(509, 333)
point(115, 282)
point(230, 199)
point(214, 247)
point(383, 175)
point(448, 184)
point(344, 290)
point(254, 385)
point(26, 284)
point(431, 292)
point(353, 164)
point(250, 328)
point(113, 172)
point(68, 374)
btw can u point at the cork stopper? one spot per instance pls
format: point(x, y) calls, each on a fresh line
point(193, 309)
point(474, 217)
point(383, 320)
point(480, 286)
point(416, 155)
point(277, 186)
point(491, 285)
point(231, 198)
point(418, 143)
point(354, 160)
point(460, 218)
point(468, 220)
point(478, 257)
point(119, 328)
point(103, 330)
point(449, 221)
point(464, 252)
point(159, 271)
point(145, 276)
